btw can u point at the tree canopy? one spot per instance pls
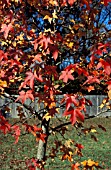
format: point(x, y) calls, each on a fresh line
point(36, 37)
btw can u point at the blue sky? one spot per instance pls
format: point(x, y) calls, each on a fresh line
point(40, 24)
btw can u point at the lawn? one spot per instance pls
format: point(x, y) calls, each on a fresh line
point(14, 156)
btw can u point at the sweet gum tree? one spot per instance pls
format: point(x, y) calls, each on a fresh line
point(35, 38)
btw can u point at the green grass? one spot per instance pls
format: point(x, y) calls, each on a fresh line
point(13, 156)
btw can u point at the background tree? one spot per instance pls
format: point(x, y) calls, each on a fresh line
point(36, 37)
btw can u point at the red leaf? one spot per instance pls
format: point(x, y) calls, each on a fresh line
point(32, 164)
point(109, 85)
point(36, 129)
point(38, 77)
point(63, 2)
point(71, 2)
point(75, 114)
point(55, 54)
point(106, 2)
point(30, 78)
point(3, 56)
point(92, 79)
point(38, 58)
point(41, 136)
point(16, 134)
point(88, 102)
point(29, 95)
point(82, 71)
point(71, 66)
point(66, 75)
point(35, 43)
point(44, 41)
point(105, 65)
point(70, 100)
point(25, 95)
point(86, 3)
point(79, 146)
point(5, 127)
point(6, 29)
point(54, 50)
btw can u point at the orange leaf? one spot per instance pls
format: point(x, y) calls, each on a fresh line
point(75, 166)
point(90, 88)
point(38, 58)
point(41, 136)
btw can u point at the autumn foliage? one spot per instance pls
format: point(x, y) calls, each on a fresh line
point(31, 52)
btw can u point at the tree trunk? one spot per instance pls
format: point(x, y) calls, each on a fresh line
point(41, 152)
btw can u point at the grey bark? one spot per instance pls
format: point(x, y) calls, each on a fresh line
point(41, 152)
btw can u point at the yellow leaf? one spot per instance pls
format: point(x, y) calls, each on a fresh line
point(3, 83)
point(48, 18)
point(101, 106)
point(93, 130)
point(14, 43)
point(90, 162)
point(70, 45)
point(58, 110)
point(3, 43)
point(53, 2)
point(47, 116)
point(84, 163)
point(68, 143)
point(12, 81)
point(72, 21)
point(15, 1)
point(20, 42)
point(20, 37)
point(70, 153)
point(10, 42)
point(104, 101)
point(54, 14)
point(47, 30)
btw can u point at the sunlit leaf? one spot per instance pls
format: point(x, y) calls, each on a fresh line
point(66, 75)
point(47, 116)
